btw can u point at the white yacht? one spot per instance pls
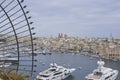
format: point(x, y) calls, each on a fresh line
point(55, 72)
point(102, 73)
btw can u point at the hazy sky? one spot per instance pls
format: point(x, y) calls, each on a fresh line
point(97, 18)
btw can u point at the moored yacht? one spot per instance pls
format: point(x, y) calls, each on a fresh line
point(102, 73)
point(55, 72)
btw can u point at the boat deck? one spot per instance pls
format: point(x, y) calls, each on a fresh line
point(96, 77)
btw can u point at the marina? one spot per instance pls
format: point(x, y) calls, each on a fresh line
point(70, 40)
point(82, 63)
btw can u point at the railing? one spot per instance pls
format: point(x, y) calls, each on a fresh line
point(16, 36)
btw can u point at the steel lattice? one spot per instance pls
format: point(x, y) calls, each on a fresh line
point(16, 37)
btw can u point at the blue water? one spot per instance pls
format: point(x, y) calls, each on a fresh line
point(74, 61)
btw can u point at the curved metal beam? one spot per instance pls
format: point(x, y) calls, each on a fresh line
point(30, 34)
point(13, 31)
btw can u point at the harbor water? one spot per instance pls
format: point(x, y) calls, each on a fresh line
point(84, 64)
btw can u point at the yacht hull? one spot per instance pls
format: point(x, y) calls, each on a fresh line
point(55, 73)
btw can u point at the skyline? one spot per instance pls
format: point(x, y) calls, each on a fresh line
point(91, 18)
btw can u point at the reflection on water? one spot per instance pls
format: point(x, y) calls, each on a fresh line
point(77, 61)
point(71, 77)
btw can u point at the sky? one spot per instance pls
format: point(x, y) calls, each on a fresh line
point(83, 18)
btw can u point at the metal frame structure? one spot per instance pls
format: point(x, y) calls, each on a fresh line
point(16, 37)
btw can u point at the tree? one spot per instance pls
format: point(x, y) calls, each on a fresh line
point(9, 75)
